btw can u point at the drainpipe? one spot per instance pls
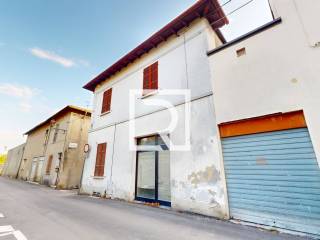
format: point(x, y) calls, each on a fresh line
point(84, 158)
point(45, 151)
point(63, 152)
point(22, 155)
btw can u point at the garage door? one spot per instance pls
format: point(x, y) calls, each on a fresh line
point(273, 179)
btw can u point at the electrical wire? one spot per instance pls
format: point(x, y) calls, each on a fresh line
point(233, 11)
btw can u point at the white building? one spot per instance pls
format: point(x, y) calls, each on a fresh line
point(175, 57)
point(266, 93)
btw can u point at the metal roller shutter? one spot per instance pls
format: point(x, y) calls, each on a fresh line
point(274, 179)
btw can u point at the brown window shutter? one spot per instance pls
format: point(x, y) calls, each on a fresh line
point(150, 77)
point(100, 159)
point(154, 74)
point(106, 102)
point(146, 77)
point(49, 163)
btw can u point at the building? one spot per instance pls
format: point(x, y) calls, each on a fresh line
point(14, 157)
point(266, 94)
point(174, 58)
point(3, 158)
point(53, 153)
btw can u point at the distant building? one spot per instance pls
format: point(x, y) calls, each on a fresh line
point(14, 157)
point(53, 153)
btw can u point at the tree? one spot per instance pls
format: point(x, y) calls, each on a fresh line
point(3, 158)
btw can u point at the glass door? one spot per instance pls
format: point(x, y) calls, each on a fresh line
point(146, 187)
point(153, 171)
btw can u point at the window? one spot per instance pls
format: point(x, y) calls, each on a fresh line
point(55, 136)
point(100, 159)
point(49, 163)
point(150, 78)
point(106, 102)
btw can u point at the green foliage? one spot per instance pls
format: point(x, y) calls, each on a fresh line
point(3, 158)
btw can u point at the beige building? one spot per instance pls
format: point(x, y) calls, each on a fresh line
point(14, 157)
point(53, 152)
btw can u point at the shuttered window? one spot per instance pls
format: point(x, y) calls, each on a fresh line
point(48, 168)
point(106, 102)
point(100, 159)
point(150, 78)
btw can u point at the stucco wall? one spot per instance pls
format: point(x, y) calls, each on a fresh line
point(12, 164)
point(197, 181)
point(183, 64)
point(34, 148)
point(279, 73)
point(76, 132)
point(72, 164)
point(54, 148)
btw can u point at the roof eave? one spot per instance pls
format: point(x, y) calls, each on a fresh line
point(68, 108)
point(201, 8)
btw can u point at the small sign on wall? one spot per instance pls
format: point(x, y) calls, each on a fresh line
point(73, 145)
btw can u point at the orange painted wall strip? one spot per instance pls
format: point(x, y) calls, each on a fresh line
point(274, 122)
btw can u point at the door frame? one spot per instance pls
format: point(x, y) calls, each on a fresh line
point(142, 199)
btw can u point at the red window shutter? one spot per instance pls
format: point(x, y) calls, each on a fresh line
point(100, 159)
point(145, 78)
point(150, 77)
point(106, 102)
point(154, 74)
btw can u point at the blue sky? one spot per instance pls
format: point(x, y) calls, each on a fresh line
point(50, 49)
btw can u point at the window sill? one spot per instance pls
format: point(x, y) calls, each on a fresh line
point(149, 94)
point(105, 113)
point(98, 177)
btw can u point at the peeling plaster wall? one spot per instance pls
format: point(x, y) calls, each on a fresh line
point(197, 182)
point(197, 176)
point(197, 179)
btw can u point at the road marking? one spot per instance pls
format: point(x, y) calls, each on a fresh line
point(7, 228)
point(1, 215)
point(19, 235)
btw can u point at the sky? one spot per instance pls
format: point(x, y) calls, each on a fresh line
point(50, 49)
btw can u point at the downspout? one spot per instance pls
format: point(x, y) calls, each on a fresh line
point(45, 150)
point(63, 152)
point(24, 147)
point(114, 142)
point(85, 157)
point(19, 168)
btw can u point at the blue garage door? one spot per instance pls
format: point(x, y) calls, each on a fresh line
point(274, 179)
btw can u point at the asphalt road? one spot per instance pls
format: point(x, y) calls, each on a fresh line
point(41, 213)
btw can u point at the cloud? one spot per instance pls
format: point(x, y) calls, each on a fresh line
point(83, 62)
point(24, 94)
point(17, 90)
point(25, 107)
point(51, 56)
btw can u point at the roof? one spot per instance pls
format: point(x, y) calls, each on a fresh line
point(210, 9)
point(62, 112)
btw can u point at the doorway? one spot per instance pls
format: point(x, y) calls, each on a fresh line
point(153, 171)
